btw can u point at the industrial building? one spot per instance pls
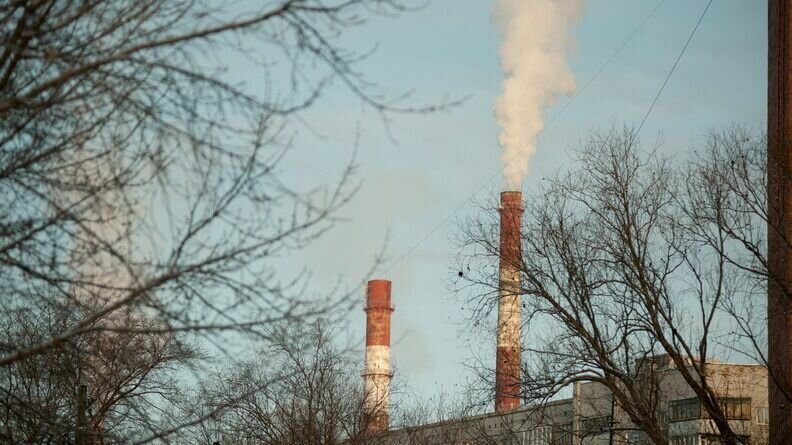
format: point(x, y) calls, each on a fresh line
point(590, 416)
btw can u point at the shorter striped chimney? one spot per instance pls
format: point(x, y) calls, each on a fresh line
point(377, 374)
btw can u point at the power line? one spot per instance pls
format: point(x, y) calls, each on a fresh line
point(676, 62)
point(548, 125)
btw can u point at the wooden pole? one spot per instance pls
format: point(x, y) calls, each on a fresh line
point(779, 200)
point(79, 434)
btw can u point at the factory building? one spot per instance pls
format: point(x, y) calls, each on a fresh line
point(590, 416)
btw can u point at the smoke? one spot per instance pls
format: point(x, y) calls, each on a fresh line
point(535, 43)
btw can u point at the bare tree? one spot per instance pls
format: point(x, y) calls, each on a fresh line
point(141, 183)
point(127, 376)
point(633, 265)
point(300, 389)
point(305, 389)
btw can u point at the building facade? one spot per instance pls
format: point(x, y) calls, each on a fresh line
point(590, 416)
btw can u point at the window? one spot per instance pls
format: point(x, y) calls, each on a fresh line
point(685, 440)
point(508, 439)
point(695, 439)
point(636, 437)
point(762, 415)
point(562, 434)
point(709, 439)
point(597, 425)
point(662, 416)
point(538, 436)
point(736, 408)
point(685, 409)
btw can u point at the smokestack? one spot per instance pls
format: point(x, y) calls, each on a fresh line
point(377, 374)
point(507, 367)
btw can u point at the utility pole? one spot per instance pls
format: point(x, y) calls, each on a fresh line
point(79, 433)
point(612, 424)
point(779, 230)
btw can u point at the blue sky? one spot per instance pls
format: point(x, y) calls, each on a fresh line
point(422, 170)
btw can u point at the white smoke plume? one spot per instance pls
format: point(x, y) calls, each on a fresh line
point(535, 43)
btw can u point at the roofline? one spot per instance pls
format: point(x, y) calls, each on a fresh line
point(755, 365)
point(521, 409)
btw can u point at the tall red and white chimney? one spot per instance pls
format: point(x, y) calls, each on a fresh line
point(507, 366)
point(377, 374)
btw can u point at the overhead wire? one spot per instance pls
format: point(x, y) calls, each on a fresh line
point(673, 67)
